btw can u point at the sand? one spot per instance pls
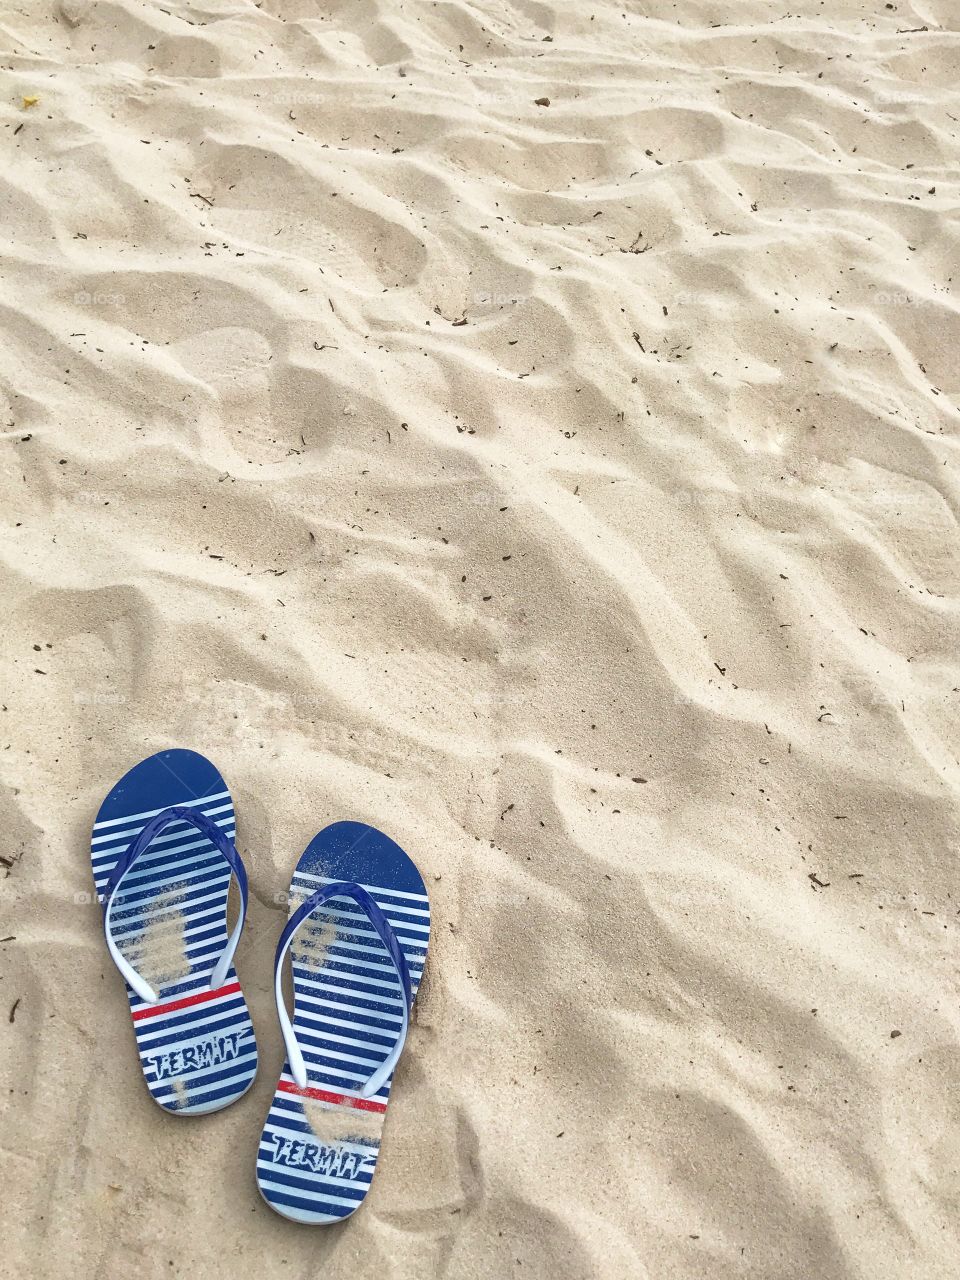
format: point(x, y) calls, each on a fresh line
point(531, 429)
point(159, 953)
point(337, 1125)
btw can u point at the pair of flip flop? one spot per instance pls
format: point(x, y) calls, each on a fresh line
point(357, 933)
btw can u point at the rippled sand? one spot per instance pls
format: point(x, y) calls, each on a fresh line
point(568, 489)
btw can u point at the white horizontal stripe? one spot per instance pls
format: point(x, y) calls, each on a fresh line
point(319, 1197)
point(137, 915)
point(311, 1051)
point(354, 1079)
point(356, 922)
point(143, 873)
point(195, 922)
point(187, 879)
point(414, 961)
point(201, 985)
point(202, 1091)
point(156, 861)
point(389, 1033)
point(319, 1037)
point(361, 1181)
point(308, 983)
point(415, 956)
point(141, 877)
point(147, 863)
point(359, 922)
point(316, 1045)
point(205, 946)
point(171, 832)
point(373, 890)
point(152, 813)
point(163, 888)
point(138, 880)
point(318, 996)
point(336, 1006)
point(349, 934)
point(186, 872)
point(157, 1029)
point(304, 972)
point(346, 1081)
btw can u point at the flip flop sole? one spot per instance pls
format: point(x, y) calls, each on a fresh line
point(196, 1045)
point(319, 1146)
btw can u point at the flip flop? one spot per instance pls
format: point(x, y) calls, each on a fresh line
point(358, 930)
point(163, 858)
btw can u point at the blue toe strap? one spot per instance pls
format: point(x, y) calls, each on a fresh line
point(343, 888)
point(206, 826)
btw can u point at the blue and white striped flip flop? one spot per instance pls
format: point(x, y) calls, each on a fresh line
point(163, 858)
point(358, 931)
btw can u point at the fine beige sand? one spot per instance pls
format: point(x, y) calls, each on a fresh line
point(530, 428)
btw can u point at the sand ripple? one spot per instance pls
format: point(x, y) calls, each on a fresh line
point(569, 489)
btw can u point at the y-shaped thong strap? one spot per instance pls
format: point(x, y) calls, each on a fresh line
point(298, 1067)
point(205, 825)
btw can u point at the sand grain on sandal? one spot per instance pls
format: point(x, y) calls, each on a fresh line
point(160, 954)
